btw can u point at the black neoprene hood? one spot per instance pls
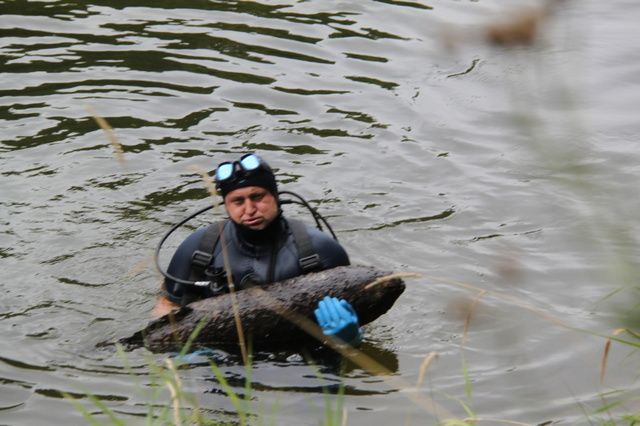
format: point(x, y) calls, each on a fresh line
point(262, 177)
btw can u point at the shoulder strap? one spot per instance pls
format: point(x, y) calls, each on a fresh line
point(202, 257)
point(308, 259)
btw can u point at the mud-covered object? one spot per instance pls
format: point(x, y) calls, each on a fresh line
point(260, 309)
point(267, 256)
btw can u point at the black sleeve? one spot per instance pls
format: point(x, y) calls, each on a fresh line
point(180, 265)
point(331, 253)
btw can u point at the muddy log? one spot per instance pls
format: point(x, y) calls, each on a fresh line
point(261, 311)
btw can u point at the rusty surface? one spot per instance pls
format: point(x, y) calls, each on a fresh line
point(261, 310)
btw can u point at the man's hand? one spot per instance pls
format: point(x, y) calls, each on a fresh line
point(163, 307)
point(337, 318)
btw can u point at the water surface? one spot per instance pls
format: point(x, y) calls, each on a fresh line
point(505, 175)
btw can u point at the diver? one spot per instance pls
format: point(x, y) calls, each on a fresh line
point(258, 245)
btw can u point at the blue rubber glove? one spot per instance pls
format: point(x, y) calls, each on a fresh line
point(198, 356)
point(337, 318)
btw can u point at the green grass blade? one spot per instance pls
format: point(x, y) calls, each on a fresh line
point(233, 397)
point(82, 410)
point(468, 388)
point(196, 331)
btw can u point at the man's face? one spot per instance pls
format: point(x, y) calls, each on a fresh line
point(252, 206)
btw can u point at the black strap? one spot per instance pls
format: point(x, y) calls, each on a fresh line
point(201, 258)
point(307, 256)
point(308, 259)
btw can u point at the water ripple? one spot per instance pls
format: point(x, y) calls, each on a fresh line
point(474, 164)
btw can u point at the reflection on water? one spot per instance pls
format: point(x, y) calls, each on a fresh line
point(505, 169)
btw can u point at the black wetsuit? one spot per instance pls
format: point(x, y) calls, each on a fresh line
point(264, 256)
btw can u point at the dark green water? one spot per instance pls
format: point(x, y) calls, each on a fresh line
point(511, 170)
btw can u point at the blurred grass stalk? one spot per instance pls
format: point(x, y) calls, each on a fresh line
point(547, 111)
point(571, 168)
point(565, 148)
point(211, 188)
point(118, 151)
point(184, 407)
point(560, 136)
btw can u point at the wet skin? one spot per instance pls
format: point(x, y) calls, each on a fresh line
point(253, 207)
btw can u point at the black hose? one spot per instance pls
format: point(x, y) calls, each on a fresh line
point(316, 215)
point(164, 238)
point(301, 201)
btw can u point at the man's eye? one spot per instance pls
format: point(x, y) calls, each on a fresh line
point(257, 197)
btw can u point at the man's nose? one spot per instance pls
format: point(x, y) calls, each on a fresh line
point(250, 206)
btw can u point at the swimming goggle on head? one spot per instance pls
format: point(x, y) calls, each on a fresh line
point(228, 169)
point(250, 170)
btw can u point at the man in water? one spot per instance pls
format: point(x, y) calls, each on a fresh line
point(259, 246)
